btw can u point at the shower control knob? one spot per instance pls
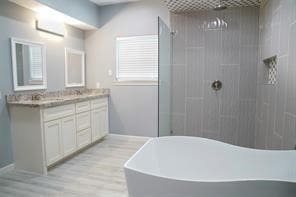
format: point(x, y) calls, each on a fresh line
point(217, 85)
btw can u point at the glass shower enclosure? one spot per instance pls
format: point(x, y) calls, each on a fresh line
point(164, 79)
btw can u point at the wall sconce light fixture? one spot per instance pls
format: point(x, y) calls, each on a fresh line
point(51, 26)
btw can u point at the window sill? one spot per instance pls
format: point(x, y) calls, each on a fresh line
point(135, 83)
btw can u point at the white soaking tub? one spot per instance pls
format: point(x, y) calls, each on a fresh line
point(198, 167)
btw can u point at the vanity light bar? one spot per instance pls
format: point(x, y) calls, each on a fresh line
point(50, 26)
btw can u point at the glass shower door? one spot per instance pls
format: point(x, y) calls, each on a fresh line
point(164, 79)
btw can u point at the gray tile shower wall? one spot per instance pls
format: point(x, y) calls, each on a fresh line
point(276, 104)
point(202, 55)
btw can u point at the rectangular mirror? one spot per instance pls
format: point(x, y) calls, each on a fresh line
point(28, 62)
point(74, 68)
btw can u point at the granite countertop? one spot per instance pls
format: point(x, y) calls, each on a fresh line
point(52, 99)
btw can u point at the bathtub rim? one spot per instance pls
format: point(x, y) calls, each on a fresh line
point(127, 167)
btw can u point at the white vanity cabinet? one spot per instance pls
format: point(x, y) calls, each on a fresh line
point(83, 124)
point(69, 142)
point(44, 136)
point(96, 127)
point(59, 132)
point(60, 139)
point(99, 115)
point(52, 131)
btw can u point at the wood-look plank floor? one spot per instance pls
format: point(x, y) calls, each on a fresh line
point(97, 171)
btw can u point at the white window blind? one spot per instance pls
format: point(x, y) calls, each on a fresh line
point(137, 58)
point(35, 63)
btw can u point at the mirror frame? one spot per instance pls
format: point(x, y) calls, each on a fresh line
point(79, 52)
point(16, 87)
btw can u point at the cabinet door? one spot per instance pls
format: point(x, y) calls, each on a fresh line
point(104, 120)
point(53, 142)
point(95, 124)
point(100, 123)
point(69, 135)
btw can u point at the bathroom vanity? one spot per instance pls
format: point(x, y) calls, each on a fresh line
point(48, 129)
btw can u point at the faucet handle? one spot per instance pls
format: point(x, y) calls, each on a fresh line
point(78, 92)
point(37, 96)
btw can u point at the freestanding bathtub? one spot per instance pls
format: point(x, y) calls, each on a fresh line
point(198, 167)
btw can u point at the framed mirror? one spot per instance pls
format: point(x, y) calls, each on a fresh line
point(28, 65)
point(74, 68)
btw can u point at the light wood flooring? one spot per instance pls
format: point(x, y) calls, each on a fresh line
point(97, 171)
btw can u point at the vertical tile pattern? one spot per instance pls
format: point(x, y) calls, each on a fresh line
point(194, 111)
point(262, 129)
point(231, 37)
point(178, 124)
point(229, 130)
point(281, 94)
point(178, 89)
point(230, 91)
point(179, 39)
point(290, 131)
point(248, 72)
point(195, 33)
point(212, 54)
point(249, 26)
point(229, 55)
point(246, 130)
point(211, 111)
point(291, 91)
point(275, 121)
point(195, 68)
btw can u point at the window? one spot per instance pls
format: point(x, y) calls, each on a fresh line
point(35, 63)
point(137, 58)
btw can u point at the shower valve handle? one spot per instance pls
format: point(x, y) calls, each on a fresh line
point(217, 85)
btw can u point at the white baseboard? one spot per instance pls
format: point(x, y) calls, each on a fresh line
point(6, 169)
point(128, 136)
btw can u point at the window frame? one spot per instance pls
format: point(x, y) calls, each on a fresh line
point(133, 81)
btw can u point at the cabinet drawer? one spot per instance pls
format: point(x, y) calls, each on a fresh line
point(82, 107)
point(99, 102)
point(58, 112)
point(83, 138)
point(83, 121)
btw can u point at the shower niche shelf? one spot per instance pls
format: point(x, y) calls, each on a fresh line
point(271, 70)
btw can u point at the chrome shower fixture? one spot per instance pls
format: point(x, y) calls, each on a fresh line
point(216, 23)
point(220, 6)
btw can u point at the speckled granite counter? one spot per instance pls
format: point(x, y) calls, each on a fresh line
point(52, 99)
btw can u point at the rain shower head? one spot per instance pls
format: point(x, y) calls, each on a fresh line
point(220, 6)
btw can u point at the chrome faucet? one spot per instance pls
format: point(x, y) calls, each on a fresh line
point(78, 92)
point(37, 96)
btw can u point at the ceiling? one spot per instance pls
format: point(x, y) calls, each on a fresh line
point(110, 2)
point(191, 5)
point(194, 5)
point(44, 11)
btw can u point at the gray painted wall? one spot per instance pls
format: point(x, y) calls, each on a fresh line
point(18, 22)
point(276, 104)
point(133, 109)
point(83, 10)
point(201, 56)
